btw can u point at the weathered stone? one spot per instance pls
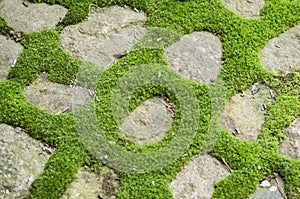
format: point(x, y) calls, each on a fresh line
point(33, 18)
point(106, 32)
point(282, 53)
point(270, 192)
point(245, 8)
point(55, 97)
point(9, 52)
point(246, 113)
point(290, 147)
point(21, 161)
point(198, 178)
point(91, 185)
point(196, 56)
point(148, 123)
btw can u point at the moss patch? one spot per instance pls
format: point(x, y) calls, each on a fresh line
point(242, 40)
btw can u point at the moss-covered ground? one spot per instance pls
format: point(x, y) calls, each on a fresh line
point(242, 40)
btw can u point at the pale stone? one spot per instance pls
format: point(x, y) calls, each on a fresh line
point(197, 178)
point(33, 18)
point(196, 56)
point(9, 52)
point(282, 53)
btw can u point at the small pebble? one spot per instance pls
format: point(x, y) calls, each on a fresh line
point(273, 188)
point(265, 184)
point(18, 129)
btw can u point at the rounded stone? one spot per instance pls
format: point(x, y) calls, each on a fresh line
point(148, 123)
point(245, 8)
point(87, 184)
point(9, 52)
point(244, 115)
point(21, 161)
point(282, 53)
point(31, 18)
point(54, 97)
point(106, 32)
point(198, 177)
point(196, 56)
point(290, 147)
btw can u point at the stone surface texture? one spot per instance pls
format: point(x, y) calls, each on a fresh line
point(196, 56)
point(93, 186)
point(269, 193)
point(148, 123)
point(106, 32)
point(9, 52)
point(245, 8)
point(21, 161)
point(246, 113)
point(33, 18)
point(282, 53)
point(197, 178)
point(290, 147)
point(54, 97)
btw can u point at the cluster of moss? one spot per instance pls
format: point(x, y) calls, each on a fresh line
point(242, 40)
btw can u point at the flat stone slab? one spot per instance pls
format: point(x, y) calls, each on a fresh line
point(106, 32)
point(282, 53)
point(197, 179)
point(93, 186)
point(245, 115)
point(196, 56)
point(245, 8)
point(290, 147)
point(33, 17)
point(271, 192)
point(54, 97)
point(9, 52)
point(148, 123)
point(21, 161)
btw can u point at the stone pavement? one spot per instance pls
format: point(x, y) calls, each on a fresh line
point(196, 56)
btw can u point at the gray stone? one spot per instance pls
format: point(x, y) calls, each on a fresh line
point(33, 18)
point(21, 161)
point(92, 186)
point(106, 32)
point(269, 193)
point(9, 52)
point(282, 53)
point(290, 147)
point(148, 123)
point(196, 56)
point(245, 8)
point(54, 97)
point(197, 178)
point(246, 113)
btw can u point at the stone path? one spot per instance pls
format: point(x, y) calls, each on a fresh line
point(196, 56)
point(245, 113)
point(22, 159)
point(282, 54)
point(197, 179)
point(109, 31)
point(9, 52)
point(33, 17)
point(245, 8)
point(290, 147)
point(54, 97)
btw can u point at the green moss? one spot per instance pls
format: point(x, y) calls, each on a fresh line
point(242, 40)
point(4, 28)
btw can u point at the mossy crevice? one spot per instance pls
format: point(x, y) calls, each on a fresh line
point(242, 40)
